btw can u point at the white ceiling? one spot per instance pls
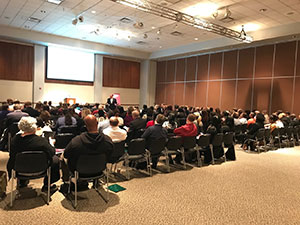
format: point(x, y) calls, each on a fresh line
point(57, 20)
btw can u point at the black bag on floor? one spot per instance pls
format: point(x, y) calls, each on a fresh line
point(3, 184)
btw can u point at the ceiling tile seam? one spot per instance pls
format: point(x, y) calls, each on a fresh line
point(18, 12)
point(5, 8)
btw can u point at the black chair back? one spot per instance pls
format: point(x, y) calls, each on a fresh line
point(174, 143)
point(13, 129)
point(238, 129)
point(189, 142)
point(62, 140)
point(289, 131)
point(137, 146)
point(139, 133)
point(119, 150)
point(156, 146)
point(228, 139)
point(91, 164)
point(244, 128)
point(204, 140)
point(31, 162)
point(217, 140)
point(69, 129)
point(267, 134)
point(275, 132)
point(260, 135)
point(181, 122)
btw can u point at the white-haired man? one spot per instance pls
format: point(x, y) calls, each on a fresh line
point(29, 141)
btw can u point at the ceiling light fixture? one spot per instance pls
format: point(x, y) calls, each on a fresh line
point(56, 2)
point(196, 39)
point(93, 11)
point(184, 18)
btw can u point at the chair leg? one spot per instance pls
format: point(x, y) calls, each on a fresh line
point(183, 158)
point(198, 157)
point(127, 166)
point(150, 162)
point(212, 154)
point(107, 184)
point(12, 187)
point(167, 159)
point(76, 178)
point(49, 180)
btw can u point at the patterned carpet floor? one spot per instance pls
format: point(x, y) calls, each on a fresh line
point(255, 189)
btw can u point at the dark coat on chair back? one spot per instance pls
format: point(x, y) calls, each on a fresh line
point(87, 144)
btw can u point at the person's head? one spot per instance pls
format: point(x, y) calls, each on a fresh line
point(17, 107)
point(45, 115)
point(135, 114)
point(27, 104)
point(4, 107)
point(130, 110)
point(111, 96)
point(85, 111)
point(91, 123)
point(191, 118)
point(160, 119)
point(113, 121)
point(260, 118)
point(27, 125)
point(9, 101)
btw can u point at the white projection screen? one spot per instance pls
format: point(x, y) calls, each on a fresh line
point(70, 64)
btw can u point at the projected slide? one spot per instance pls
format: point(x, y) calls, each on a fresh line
point(70, 64)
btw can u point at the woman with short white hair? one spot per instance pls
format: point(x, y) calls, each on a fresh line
point(27, 140)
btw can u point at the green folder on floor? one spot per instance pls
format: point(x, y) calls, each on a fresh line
point(116, 188)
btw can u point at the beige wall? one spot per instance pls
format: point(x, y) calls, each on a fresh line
point(128, 96)
point(21, 90)
point(57, 92)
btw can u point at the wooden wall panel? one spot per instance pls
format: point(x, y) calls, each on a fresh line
point(285, 59)
point(246, 61)
point(215, 67)
point(201, 91)
point(214, 88)
point(180, 69)
point(160, 93)
point(170, 93)
point(244, 94)
point(16, 62)
point(282, 94)
point(297, 97)
point(170, 77)
point(228, 95)
point(264, 61)
point(230, 61)
point(160, 71)
point(121, 73)
point(298, 60)
point(202, 73)
point(179, 93)
point(261, 94)
point(189, 94)
point(191, 64)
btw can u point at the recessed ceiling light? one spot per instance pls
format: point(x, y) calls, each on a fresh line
point(153, 27)
point(263, 10)
point(57, 2)
point(160, 46)
point(202, 9)
point(93, 11)
point(196, 39)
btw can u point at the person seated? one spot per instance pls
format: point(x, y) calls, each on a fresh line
point(189, 129)
point(103, 123)
point(114, 132)
point(66, 120)
point(87, 143)
point(137, 124)
point(128, 118)
point(155, 132)
point(31, 111)
point(260, 119)
point(29, 141)
point(151, 122)
point(15, 116)
point(170, 124)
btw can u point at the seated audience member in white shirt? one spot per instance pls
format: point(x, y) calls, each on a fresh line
point(114, 132)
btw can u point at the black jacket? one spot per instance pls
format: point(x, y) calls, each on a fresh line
point(27, 143)
point(31, 111)
point(134, 128)
point(87, 144)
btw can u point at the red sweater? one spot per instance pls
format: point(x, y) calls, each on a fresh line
point(186, 130)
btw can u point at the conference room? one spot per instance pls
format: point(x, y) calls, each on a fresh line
point(193, 105)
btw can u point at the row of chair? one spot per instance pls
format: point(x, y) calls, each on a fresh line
point(138, 149)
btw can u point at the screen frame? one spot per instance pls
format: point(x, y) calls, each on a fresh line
point(67, 81)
